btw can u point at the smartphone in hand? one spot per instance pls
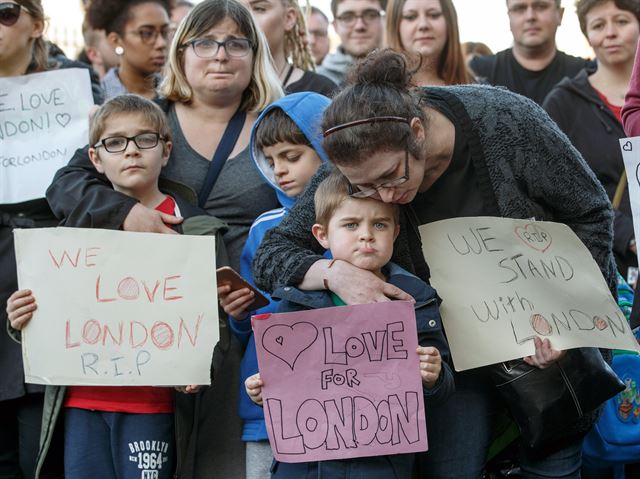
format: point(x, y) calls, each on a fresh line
point(227, 275)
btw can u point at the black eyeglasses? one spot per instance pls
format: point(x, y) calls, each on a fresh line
point(10, 13)
point(208, 47)
point(149, 36)
point(368, 16)
point(117, 144)
point(372, 190)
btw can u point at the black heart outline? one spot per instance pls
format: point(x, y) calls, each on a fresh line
point(290, 327)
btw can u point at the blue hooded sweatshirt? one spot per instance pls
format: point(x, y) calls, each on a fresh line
point(305, 109)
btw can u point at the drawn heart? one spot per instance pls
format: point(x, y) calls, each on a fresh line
point(627, 146)
point(287, 343)
point(63, 119)
point(599, 323)
point(534, 236)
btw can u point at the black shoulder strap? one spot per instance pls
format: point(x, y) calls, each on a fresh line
point(225, 147)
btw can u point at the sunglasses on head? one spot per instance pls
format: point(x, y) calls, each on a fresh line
point(10, 13)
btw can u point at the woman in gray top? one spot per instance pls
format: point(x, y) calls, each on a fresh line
point(218, 70)
point(446, 152)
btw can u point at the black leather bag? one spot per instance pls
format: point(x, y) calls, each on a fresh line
point(546, 403)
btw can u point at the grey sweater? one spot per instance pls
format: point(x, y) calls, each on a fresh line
point(523, 161)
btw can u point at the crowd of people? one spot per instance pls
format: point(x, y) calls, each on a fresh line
point(295, 155)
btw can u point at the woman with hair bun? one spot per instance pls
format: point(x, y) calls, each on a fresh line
point(137, 31)
point(446, 152)
point(427, 30)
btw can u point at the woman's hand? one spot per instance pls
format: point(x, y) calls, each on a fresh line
point(146, 220)
point(253, 386)
point(20, 307)
point(235, 303)
point(358, 286)
point(545, 355)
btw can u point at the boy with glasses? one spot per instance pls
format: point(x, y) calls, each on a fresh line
point(534, 64)
point(359, 24)
point(119, 431)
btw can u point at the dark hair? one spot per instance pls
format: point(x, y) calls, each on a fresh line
point(451, 66)
point(380, 85)
point(583, 7)
point(476, 48)
point(113, 15)
point(558, 2)
point(276, 127)
point(332, 192)
point(334, 6)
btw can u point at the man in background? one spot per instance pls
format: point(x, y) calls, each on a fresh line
point(318, 34)
point(359, 24)
point(534, 64)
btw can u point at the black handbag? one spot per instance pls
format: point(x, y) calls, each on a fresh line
point(547, 403)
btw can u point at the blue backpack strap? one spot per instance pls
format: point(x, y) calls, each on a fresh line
point(228, 141)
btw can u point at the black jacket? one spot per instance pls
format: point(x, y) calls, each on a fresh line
point(29, 214)
point(594, 130)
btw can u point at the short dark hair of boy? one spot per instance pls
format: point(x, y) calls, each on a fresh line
point(276, 127)
point(332, 192)
point(154, 117)
point(583, 7)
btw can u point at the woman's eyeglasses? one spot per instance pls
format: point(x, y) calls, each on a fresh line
point(360, 192)
point(10, 13)
point(117, 144)
point(208, 47)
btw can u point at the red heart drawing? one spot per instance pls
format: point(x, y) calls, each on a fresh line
point(287, 343)
point(534, 236)
point(599, 323)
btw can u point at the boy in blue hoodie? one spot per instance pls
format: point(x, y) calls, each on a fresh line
point(286, 146)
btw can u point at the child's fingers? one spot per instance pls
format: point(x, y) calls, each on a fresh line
point(21, 293)
point(427, 351)
point(19, 318)
point(243, 294)
point(17, 303)
point(224, 289)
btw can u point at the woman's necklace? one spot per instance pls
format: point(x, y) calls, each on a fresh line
point(288, 74)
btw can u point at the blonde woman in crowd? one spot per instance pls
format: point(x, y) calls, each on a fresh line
point(283, 24)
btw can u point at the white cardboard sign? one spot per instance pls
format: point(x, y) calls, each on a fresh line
point(504, 281)
point(118, 308)
point(44, 118)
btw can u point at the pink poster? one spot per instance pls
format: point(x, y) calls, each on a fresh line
point(341, 382)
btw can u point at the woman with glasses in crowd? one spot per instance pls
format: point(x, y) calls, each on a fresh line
point(283, 23)
point(426, 31)
point(218, 79)
point(445, 152)
point(23, 50)
point(137, 31)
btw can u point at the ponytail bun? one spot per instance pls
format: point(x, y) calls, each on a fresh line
point(382, 67)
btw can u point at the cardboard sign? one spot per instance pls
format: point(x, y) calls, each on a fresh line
point(504, 281)
point(341, 382)
point(118, 308)
point(631, 155)
point(44, 118)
